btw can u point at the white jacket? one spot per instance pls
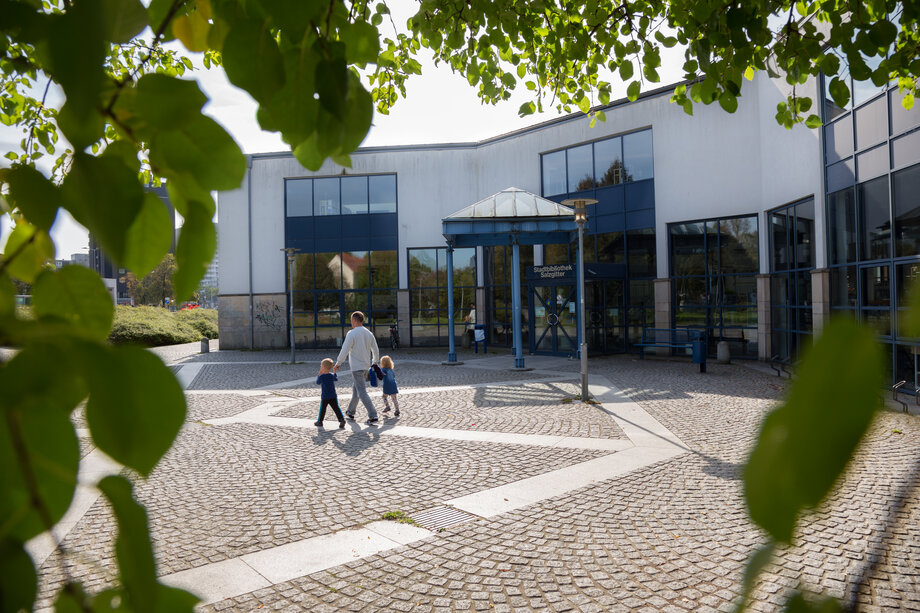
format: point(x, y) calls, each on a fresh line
point(360, 347)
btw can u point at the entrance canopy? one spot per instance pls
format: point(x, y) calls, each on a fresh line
point(511, 217)
point(508, 217)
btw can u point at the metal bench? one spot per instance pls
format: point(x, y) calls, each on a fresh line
point(675, 338)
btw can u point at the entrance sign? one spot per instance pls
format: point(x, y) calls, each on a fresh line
point(562, 272)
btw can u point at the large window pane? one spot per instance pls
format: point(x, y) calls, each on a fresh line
point(841, 216)
point(554, 174)
point(805, 234)
point(422, 265)
point(555, 254)
point(838, 139)
point(779, 242)
point(872, 123)
point(328, 309)
point(874, 219)
point(355, 270)
point(637, 156)
point(382, 193)
point(739, 289)
point(906, 187)
point(843, 286)
point(326, 197)
point(902, 119)
point(641, 245)
point(864, 90)
point(384, 269)
point(354, 195)
point(611, 248)
point(464, 267)
point(873, 163)
point(299, 197)
point(908, 277)
point(608, 162)
point(303, 272)
point(876, 287)
point(580, 168)
point(687, 249)
point(328, 270)
point(738, 245)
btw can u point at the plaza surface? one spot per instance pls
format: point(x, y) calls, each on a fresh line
point(522, 498)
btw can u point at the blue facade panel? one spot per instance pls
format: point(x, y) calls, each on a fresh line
point(636, 220)
point(383, 224)
point(640, 195)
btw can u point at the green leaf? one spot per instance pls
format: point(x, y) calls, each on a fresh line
point(839, 92)
point(124, 19)
point(805, 444)
point(38, 445)
point(174, 600)
point(632, 91)
point(252, 60)
point(813, 121)
point(584, 104)
point(71, 599)
point(528, 108)
point(80, 75)
point(798, 604)
point(883, 33)
point(332, 82)
point(149, 237)
point(109, 212)
point(18, 581)
point(35, 196)
point(135, 554)
point(75, 294)
point(167, 103)
point(362, 42)
point(728, 102)
point(626, 70)
point(7, 297)
point(195, 250)
point(192, 29)
point(27, 249)
point(135, 406)
point(80, 131)
point(749, 73)
point(203, 152)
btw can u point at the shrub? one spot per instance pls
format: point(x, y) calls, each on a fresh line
point(154, 326)
point(202, 320)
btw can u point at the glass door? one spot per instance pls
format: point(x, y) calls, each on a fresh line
point(554, 326)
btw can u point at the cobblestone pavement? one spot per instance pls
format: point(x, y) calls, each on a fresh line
point(528, 408)
point(673, 536)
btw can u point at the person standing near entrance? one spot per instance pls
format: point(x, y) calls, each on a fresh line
point(470, 320)
point(360, 347)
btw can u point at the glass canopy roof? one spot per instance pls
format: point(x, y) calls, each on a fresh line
point(512, 203)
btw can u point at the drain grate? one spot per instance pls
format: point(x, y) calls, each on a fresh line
point(442, 517)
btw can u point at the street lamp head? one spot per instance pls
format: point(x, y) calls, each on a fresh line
point(580, 206)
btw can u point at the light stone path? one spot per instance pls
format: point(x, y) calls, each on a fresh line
point(632, 504)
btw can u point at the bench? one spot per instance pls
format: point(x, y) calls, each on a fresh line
point(782, 366)
point(675, 338)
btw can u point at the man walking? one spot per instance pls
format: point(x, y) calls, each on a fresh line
point(360, 347)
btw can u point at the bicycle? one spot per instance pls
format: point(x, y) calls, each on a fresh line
point(394, 335)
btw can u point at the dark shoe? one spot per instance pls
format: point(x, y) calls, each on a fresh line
point(341, 425)
point(318, 423)
point(386, 409)
point(349, 417)
point(396, 414)
point(371, 422)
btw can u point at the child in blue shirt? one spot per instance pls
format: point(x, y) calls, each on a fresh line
point(389, 385)
point(327, 380)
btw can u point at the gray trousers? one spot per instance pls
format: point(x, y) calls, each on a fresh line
point(359, 390)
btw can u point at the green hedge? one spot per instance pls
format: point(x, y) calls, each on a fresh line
point(154, 326)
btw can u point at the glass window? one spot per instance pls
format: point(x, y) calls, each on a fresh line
point(779, 243)
point(554, 174)
point(298, 196)
point(687, 249)
point(841, 216)
point(874, 219)
point(805, 234)
point(838, 139)
point(384, 269)
point(581, 168)
point(872, 123)
point(555, 254)
point(865, 90)
point(905, 150)
point(354, 195)
point(328, 309)
point(841, 175)
point(422, 265)
point(871, 164)
point(739, 289)
point(608, 162)
point(303, 271)
point(355, 270)
point(906, 188)
point(326, 197)
point(382, 193)
point(328, 270)
point(637, 156)
point(902, 119)
point(641, 245)
point(875, 286)
point(843, 286)
point(908, 277)
point(738, 242)
point(464, 267)
point(611, 248)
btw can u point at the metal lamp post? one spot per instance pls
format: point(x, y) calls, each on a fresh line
point(581, 217)
point(290, 251)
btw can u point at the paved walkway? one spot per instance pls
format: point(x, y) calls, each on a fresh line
point(522, 499)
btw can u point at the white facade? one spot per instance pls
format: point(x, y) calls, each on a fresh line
point(709, 165)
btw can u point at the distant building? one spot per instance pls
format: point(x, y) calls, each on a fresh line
point(80, 258)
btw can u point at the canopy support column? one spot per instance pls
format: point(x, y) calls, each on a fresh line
point(451, 342)
point(516, 304)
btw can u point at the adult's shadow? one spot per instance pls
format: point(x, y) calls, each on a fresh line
point(355, 441)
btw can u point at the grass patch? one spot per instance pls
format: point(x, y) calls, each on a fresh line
point(398, 516)
point(155, 326)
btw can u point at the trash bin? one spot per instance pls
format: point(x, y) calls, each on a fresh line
point(699, 353)
point(467, 339)
point(205, 345)
point(479, 336)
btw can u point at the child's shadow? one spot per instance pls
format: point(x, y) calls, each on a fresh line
point(353, 442)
